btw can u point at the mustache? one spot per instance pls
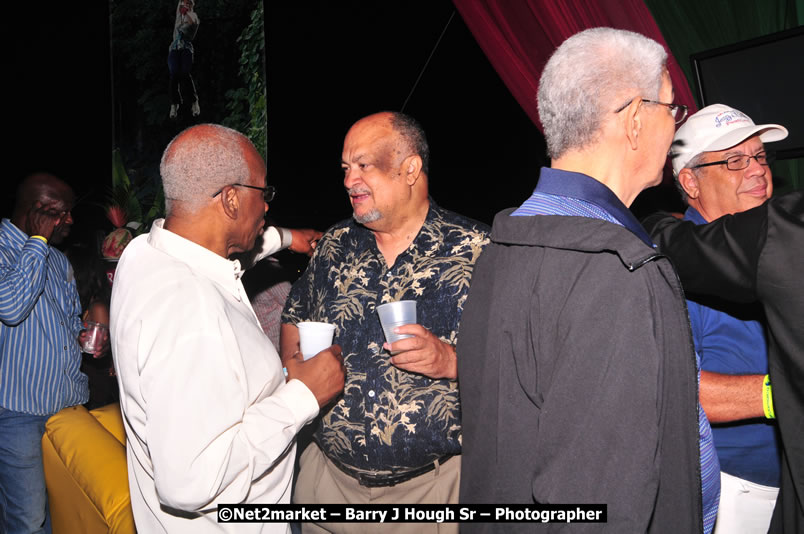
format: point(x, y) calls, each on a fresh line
point(358, 191)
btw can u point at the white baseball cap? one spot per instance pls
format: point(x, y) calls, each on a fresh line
point(717, 127)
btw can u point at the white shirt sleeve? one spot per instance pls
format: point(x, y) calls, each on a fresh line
point(274, 239)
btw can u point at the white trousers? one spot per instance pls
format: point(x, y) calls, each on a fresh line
point(745, 507)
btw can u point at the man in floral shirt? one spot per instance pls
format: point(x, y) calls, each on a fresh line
point(395, 435)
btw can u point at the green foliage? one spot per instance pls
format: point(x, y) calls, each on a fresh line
point(228, 70)
point(121, 193)
point(141, 33)
point(247, 105)
point(132, 199)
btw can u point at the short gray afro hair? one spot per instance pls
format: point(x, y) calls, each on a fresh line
point(590, 75)
point(412, 133)
point(200, 161)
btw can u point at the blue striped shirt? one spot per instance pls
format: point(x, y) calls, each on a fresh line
point(40, 319)
point(575, 194)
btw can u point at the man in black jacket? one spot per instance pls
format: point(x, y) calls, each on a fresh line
point(578, 375)
point(757, 255)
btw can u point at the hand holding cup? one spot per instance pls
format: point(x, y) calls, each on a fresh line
point(323, 375)
point(94, 339)
point(314, 337)
point(395, 314)
point(423, 352)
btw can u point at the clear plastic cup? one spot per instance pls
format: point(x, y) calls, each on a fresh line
point(314, 337)
point(393, 314)
point(97, 333)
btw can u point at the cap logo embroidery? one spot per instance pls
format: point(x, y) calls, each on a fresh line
point(731, 117)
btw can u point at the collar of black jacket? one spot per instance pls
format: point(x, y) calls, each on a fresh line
point(582, 234)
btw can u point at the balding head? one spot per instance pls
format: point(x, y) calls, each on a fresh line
point(46, 192)
point(39, 187)
point(203, 159)
point(383, 163)
point(214, 181)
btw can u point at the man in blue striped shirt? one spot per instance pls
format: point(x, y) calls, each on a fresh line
point(40, 321)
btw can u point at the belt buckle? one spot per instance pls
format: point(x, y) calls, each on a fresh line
point(369, 482)
point(394, 478)
point(379, 481)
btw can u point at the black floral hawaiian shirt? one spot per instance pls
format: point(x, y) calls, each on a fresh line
point(389, 419)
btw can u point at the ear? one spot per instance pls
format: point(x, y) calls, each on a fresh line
point(689, 182)
point(412, 169)
point(633, 122)
point(230, 202)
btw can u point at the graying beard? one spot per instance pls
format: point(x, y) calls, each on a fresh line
point(370, 217)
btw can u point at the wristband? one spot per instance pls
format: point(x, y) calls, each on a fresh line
point(41, 238)
point(767, 398)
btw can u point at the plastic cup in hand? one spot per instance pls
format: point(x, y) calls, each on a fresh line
point(315, 337)
point(393, 314)
point(95, 338)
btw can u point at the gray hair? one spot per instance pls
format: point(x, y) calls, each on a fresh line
point(200, 161)
point(694, 162)
point(412, 133)
point(590, 75)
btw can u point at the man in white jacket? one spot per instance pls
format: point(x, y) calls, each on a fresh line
point(210, 416)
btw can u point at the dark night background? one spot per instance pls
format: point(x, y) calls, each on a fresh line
point(327, 65)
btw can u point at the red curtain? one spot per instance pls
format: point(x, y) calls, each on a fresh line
point(519, 36)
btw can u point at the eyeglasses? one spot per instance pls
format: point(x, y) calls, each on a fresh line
point(674, 108)
point(740, 162)
point(268, 193)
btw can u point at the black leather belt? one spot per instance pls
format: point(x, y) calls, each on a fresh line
point(379, 479)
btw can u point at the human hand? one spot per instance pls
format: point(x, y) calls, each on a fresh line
point(423, 353)
point(304, 240)
point(106, 346)
point(323, 374)
point(43, 218)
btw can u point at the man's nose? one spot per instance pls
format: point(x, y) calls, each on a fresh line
point(755, 168)
point(350, 178)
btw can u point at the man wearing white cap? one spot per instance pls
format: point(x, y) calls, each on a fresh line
point(721, 167)
point(723, 145)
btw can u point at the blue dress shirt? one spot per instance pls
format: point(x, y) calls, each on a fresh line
point(731, 343)
point(40, 319)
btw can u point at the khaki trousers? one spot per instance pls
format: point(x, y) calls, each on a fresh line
point(321, 482)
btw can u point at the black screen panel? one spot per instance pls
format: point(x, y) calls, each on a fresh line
point(763, 78)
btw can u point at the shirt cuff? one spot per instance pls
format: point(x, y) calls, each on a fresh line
point(272, 242)
point(286, 235)
point(300, 400)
